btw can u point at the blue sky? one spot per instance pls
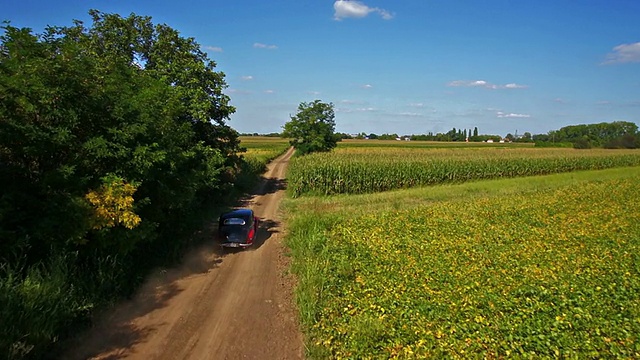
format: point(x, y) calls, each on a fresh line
point(405, 67)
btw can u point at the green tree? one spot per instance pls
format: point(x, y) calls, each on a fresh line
point(113, 140)
point(312, 128)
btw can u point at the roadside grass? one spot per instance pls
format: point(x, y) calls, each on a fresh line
point(545, 266)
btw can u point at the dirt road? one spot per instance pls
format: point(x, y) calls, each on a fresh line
point(216, 305)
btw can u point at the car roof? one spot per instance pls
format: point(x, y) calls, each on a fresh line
point(239, 213)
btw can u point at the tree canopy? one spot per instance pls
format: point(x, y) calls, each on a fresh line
point(113, 138)
point(312, 128)
point(613, 134)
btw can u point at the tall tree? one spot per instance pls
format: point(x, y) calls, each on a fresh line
point(83, 109)
point(312, 128)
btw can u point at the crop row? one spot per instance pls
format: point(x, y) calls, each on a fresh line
point(552, 274)
point(357, 170)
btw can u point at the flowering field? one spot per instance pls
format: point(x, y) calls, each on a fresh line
point(513, 272)
point(357, 169)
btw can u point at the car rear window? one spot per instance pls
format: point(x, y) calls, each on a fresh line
point(234, 221)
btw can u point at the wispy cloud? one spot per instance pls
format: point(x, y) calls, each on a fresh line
point(213, 48)
point(367, 86)
point(356, 9)
point(264, 46)
point(315, 93)
point(238, 91)
point(353, 110)
point(247, 77)
point(625, 53)
point(485, 84)
point(416, 105)
point(269, 91)
point(500, 114)
point(410, 114)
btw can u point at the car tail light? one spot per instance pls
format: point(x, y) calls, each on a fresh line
point(251, 233)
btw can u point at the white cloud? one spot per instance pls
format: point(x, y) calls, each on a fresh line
point(625, 53)
point(410, 114)
point(485, 84)
point(313, 92)
point(367, 86)
point(356, 9)
point(247, 78)
point(500, 114)
point(269, 91)
point(213, 48)
point(418, 105)
point(264, 46)
point(238, 91)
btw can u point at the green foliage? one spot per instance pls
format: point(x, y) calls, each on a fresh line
point(626, 141)
point(529, 272)
point(596, 134)
point(36, 305)
point(312, 128)
point(123, 99)
point(582, 143)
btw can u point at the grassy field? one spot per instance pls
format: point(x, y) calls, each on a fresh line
point(544, 266)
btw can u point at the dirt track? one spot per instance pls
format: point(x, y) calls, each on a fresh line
point(216, 305)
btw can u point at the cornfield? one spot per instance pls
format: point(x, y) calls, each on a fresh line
point(358, 170)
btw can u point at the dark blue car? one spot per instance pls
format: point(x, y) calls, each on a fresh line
point(237, 228)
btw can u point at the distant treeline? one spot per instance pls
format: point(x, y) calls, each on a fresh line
point(613, 135)
point(617, 134)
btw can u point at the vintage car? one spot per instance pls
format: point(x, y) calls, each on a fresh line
point(237, 228)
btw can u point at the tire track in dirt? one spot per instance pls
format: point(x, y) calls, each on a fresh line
point(219, 304)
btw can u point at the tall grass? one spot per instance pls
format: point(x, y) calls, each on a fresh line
point(365, 170)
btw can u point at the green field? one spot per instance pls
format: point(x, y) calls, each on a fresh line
point(544, 266)
point(356, 169)
point(263, 148)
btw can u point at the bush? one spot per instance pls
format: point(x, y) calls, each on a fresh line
point(626, 141)
point(582, 143)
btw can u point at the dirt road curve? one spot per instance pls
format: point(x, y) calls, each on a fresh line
point(216, 305)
